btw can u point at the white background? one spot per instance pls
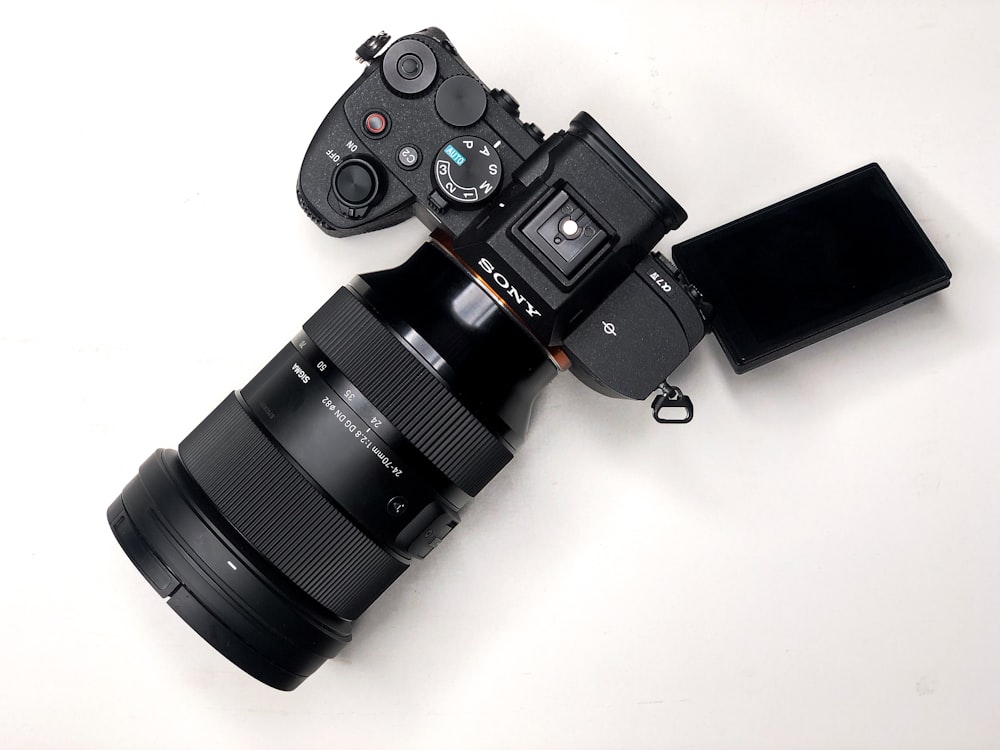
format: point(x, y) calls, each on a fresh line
point(812, 563)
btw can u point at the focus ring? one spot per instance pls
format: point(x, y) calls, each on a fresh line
point(283, 516)
point(414, 399)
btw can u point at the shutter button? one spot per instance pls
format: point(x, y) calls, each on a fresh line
point(354, 187)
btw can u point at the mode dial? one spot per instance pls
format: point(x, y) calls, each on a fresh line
point(467, 170)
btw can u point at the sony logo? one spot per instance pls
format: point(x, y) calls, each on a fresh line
point(501, 281)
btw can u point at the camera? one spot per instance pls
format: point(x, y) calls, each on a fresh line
point(304, 495)
point(558, 231)
point(300, 499)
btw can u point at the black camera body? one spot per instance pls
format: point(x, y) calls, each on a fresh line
point(558, 230)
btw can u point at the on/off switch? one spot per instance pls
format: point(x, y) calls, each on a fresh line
point(354, 187)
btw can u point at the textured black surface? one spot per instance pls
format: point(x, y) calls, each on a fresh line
point(283, 516)
point(632, 325)
point(415, 122)
point(419, 404)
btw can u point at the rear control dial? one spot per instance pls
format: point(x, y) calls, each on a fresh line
point(467, 170)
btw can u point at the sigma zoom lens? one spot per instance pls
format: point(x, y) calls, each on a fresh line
point(304, 495)
point(301, 497)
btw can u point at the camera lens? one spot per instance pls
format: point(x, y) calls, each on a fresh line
point(304, 495)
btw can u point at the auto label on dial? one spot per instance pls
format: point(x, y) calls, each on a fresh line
point(468, 170)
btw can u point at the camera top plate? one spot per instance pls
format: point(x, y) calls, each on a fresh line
point(417, 133)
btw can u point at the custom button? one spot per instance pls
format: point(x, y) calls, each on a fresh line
point(376, 124)
point(505, 100)
point(461, 101)
point(534, 131)
point(355, 183)
point(408, 157)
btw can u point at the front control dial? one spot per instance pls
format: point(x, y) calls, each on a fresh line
point(467, 170)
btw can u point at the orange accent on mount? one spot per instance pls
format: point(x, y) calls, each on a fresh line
point(560, 358)
point(444, 241)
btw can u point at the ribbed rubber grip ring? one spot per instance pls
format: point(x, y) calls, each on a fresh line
point(283, 516)
point(415, 400)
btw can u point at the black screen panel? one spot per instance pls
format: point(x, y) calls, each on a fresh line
point(811, 266)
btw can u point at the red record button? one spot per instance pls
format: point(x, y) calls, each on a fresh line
point(376, 124)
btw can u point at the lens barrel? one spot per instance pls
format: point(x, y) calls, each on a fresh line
point(302, 497)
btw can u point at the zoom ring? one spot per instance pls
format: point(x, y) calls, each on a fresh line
point(411, 396)
point(283, 516)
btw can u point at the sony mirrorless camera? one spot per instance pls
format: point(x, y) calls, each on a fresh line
point(305, 494)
